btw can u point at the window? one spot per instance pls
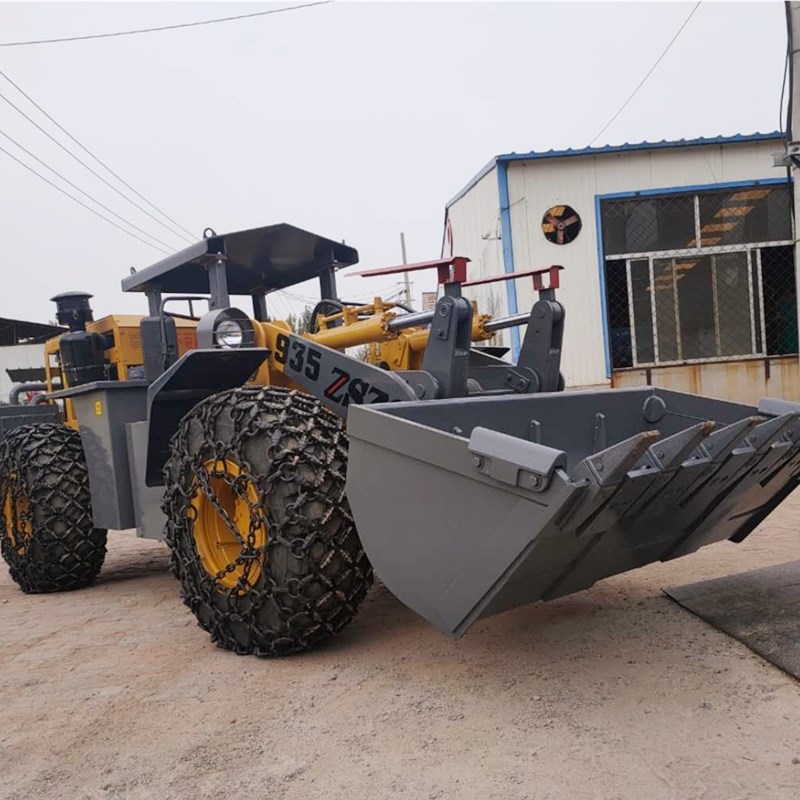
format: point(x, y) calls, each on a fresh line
point(643, 224)
point(746, 215)
point(698, 277)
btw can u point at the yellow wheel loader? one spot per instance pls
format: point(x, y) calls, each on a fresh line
point(281, 471)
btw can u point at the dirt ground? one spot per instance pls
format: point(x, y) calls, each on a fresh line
point(114, 692)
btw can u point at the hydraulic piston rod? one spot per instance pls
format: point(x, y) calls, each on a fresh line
point(422, 317)
point(410, 320)
point(501, 323)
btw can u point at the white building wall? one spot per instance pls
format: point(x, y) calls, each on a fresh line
point(18, 356)
point(538, 184)
point(474, 221)
point(535, 186)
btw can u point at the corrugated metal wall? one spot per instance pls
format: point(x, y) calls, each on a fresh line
point(16, 357)
point(474, 222)
point(537, 185)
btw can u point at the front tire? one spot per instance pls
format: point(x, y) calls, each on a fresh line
point(46, 533)
point(262, 538)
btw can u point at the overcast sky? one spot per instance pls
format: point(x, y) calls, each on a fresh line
point(354, 120)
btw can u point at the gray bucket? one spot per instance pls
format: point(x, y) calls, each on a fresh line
point(473, 506)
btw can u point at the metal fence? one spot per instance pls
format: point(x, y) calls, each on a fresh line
point(700, 276)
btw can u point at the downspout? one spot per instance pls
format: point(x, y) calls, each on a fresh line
point(508, 251)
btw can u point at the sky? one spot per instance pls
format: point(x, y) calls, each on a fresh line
point(355, 120)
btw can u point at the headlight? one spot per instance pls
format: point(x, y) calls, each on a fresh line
point(228, 334)
point(225, 329)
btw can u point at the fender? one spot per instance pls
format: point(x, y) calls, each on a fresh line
point(193, 377)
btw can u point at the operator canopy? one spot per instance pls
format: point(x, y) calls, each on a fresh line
point(257, 260)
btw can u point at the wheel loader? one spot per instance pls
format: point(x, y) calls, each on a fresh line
point(281, 471)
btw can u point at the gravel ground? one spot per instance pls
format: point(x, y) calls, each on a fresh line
point(114, 692)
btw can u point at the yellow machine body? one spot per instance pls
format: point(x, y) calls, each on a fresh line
point(125, 353)
point(364, 326)
point(355, 326)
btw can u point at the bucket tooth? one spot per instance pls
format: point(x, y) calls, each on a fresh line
point(790, 460)
point(727, 493)
point(767, 433)
point(614, 533)
point(701, 465)
point(668, 456)
point(671, 452)
point(793, 434)
point(777, 451)
point(619, 474)
point(721, 465)
point(610, 466)
point(722, 442)
point(654, 470)
point(663, 496)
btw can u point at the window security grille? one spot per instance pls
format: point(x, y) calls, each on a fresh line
point(700, 277)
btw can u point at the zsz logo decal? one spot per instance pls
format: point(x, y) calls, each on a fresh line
point(306, 362)
point(344, 390)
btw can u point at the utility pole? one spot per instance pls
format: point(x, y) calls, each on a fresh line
point(793, 133)
point(405, 274)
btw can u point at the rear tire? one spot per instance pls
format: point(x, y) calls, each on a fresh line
point(262, 538)
point(46, 532)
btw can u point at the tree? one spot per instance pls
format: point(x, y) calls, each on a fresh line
point(301, 323)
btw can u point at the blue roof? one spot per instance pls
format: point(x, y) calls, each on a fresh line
point(616, 148)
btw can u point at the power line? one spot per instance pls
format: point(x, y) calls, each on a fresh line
point(649, 73)
point(165, 27)
point(93, 171)
point(287, 308)
point(78, 188)
point(86, 150)
point(369, 293)
point(296, 297)
point(80, 202)
point(373, 293)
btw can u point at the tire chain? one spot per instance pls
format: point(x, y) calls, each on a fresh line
point(302, 433)
point(43, 468)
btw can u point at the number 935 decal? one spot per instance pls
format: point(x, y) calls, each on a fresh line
point(313, 368)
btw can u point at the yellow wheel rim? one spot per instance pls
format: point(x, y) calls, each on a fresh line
point(229, 551)
point(16, 514)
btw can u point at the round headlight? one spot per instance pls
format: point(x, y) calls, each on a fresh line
point(228, 334)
